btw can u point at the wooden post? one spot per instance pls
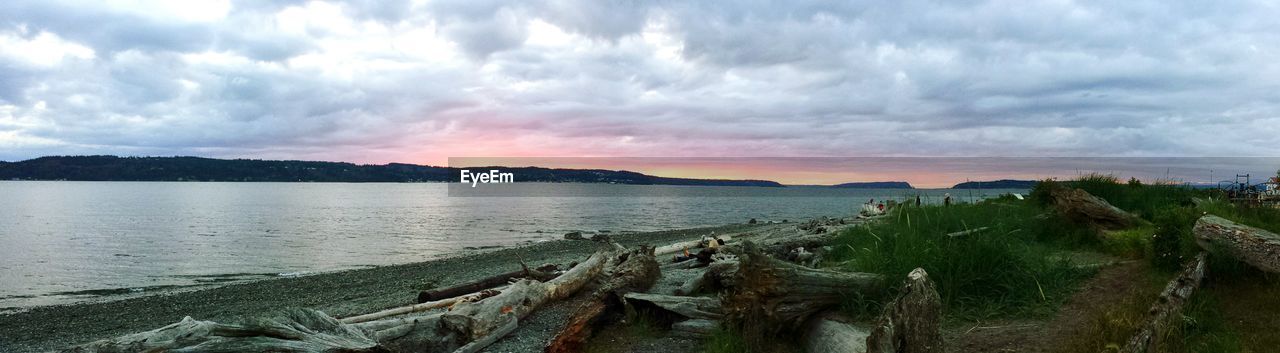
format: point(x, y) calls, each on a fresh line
point(910, 324)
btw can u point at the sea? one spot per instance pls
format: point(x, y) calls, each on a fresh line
point(65, 242)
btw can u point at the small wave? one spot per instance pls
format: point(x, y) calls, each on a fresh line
point(111, 291)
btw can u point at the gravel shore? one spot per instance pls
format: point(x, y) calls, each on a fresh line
point(339, 294)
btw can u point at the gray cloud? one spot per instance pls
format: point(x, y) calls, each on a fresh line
point(410, 81)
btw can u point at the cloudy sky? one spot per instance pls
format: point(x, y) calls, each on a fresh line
point(420, 81)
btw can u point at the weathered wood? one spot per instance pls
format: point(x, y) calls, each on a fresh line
point(1079, 206)
point(695, 328)
point(770, 296)
point(481, 343)
point(690, 307)
point(679, 246)
point(910, 323)
point(635, 270)
point(420, 307)
point(470, 325)
point(472, 320)
point(542, 273)
point(825, 333)
point(1253, 246)
point(1165, 314)
point(293, 331)
point(967, 232)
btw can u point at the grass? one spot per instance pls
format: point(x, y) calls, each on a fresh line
point(1236, 308)
point(725, 341)
point(1005, 270)
point(1109, 327)
point(1009, 270)
point(1144, 200)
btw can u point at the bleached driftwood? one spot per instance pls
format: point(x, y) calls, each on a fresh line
point(825, 333)
point(690, 307)
point(967, 232)
point(679, 246)
point(1253, 246)
point(293, 331)
point(421, 307)
point(910, 323)
point(470, 325)
point(473, 320)
point(1079, 206)
point(1165, 314)
point(542, 273)
point(630, 271)
point(770, 296)
point(694, 328)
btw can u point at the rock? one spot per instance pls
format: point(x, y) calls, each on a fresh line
point(752, 221)
point(573, 235)
point(601, 237)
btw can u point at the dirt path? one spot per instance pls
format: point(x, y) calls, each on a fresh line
point(1110, 287)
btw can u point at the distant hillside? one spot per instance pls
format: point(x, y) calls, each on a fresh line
point(998, 184)
point(112, 168)
point(875, 185)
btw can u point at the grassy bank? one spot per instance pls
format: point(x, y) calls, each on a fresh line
point(1023, 263)
point(1008, 268)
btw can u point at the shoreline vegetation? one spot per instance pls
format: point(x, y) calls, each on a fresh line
point(1091, 264)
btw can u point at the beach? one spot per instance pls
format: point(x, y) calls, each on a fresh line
point(338, 294)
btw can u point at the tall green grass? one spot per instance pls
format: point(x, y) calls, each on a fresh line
point(1005, 270)
point(1144, 200)
point(1257, 216)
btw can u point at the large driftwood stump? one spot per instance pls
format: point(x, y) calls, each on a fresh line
point(1165, 315)
point(1251, 245)
point(910, 323)
point(294, 331)
point(630, 271)
point(770, 296)
point(1079, 206)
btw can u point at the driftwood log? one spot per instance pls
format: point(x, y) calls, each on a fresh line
point(1081, 207)
point(694, 328)
point(470, 326)
point(1250, 245)
point(968, 232)
point(680, 246)
point(910, 323)
point(421, 307)
point(1165, 315)
point(689, 307)
point(827, 333)
point(770, 296)
point(542, 273)
point(631, 271)
point(293, 331)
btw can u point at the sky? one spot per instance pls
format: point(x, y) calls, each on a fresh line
point(421, 81)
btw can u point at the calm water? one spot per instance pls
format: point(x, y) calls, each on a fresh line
point(71, 241)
